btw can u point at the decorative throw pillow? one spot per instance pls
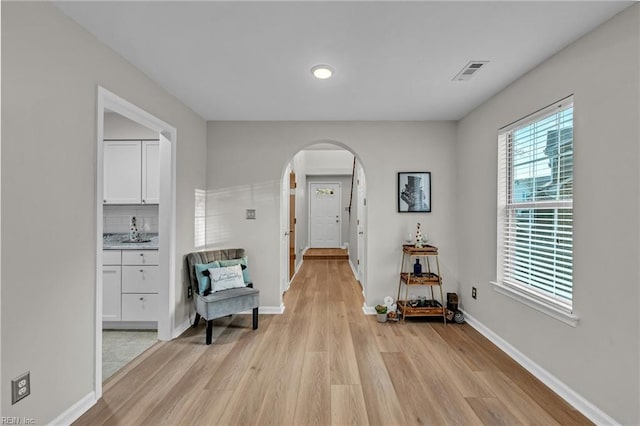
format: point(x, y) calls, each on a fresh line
point(224, 278)
point(243, 264)
point(203, 280)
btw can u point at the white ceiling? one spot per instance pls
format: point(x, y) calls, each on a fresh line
point(394, 60)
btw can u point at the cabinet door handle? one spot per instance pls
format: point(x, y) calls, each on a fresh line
point(142, 270)
point(144, 201)
point(142, 298)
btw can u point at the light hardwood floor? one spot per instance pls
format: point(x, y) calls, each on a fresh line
point(326, 254)
point(324, 362)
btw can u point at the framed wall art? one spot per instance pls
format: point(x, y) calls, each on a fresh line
point(414, 192)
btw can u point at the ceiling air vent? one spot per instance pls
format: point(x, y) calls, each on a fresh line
point(469, 70)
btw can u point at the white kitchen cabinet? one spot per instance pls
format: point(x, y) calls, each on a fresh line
point(130, 287)
point(111, 285)
point(140, 279)
point(122, 172)
point(111, 292)
point(150, 172)
point(140, 272)
point(139, 307)
point(140, 257)
point(111, 257)
point(131, 172)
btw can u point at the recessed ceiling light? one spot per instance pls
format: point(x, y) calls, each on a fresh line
point(322, 72)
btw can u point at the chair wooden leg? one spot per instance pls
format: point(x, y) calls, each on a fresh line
point(255, 318)
point(209, 331)
point(196, 321)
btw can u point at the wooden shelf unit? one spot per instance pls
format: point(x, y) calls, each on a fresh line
point(430, 277)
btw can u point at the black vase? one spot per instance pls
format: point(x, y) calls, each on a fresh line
point(417, 268)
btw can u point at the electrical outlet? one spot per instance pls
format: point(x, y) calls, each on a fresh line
point(251, 213)
point(20, 387)
point(474, 292)
point(189, 292)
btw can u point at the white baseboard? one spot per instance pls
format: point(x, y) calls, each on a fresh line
point(129, 325)
point(74, 412)
point(294, 276)
point(368, 310)
point(272, 310)
point(354, 270)
point(177, 331)
point(592, 412)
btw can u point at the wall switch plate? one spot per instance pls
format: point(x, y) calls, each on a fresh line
point(251, 213)
point(474, 292)
point(20, 387)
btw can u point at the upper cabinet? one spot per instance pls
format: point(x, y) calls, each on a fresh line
point(131, 172)
point(122, 172)
point(150, 172)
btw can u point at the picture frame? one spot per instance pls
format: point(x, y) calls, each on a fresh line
point(414, 192)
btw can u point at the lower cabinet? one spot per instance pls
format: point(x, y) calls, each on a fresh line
point(111, 293)
point(130, 288)
point(139, 307)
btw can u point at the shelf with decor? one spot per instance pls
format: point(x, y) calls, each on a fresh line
point(420, 274)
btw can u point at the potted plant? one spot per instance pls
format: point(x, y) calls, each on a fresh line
point(381, 311)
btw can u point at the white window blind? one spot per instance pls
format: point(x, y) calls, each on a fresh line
point(200, 219)
point(535, 205)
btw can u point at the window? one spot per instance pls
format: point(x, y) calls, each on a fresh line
point(535, 207)
point(200, 219)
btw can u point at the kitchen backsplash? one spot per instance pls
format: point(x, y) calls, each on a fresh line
point(117, 218)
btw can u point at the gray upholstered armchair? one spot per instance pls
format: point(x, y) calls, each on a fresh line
point(211, 305)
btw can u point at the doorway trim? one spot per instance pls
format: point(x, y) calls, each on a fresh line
point(108, 101)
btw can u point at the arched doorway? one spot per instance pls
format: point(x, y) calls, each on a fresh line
point(325, 161)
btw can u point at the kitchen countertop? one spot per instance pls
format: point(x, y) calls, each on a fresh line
point(115, 242)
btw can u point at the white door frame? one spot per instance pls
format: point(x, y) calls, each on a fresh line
point(284, 233)
point(362, 226)
point(108, 101)
point(309, 208)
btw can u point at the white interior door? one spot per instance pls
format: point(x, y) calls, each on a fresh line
point(324, 213)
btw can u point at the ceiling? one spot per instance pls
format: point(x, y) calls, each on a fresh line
point(393, 60)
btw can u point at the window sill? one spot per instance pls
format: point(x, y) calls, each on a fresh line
point(530, 301)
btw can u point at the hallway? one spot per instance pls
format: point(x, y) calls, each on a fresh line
point(324, 362)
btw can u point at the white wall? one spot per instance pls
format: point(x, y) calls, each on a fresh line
point(600, 357)
point(51, 68)
point(118, 127)
point(328, 162)
point(245, 165)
